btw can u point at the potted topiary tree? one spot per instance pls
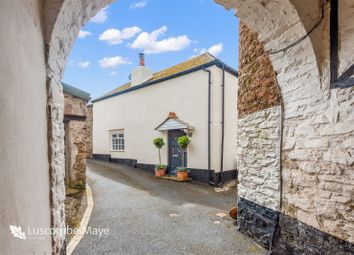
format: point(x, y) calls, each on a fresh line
point(182, 172)
point(160, 170)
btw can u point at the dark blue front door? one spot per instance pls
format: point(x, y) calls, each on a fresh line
point(174, 151)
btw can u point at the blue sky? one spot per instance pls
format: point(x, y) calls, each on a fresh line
point(168, 31)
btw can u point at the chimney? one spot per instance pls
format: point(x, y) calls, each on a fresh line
point(142, 59)
point(172, 115)
point(141, 73)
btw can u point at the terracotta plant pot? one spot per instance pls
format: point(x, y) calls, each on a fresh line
point(183, 176)
point(160, 172)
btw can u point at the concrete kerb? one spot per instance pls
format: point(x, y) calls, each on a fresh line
point(84, 222)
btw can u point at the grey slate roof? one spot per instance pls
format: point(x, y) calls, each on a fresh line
point(76, 92)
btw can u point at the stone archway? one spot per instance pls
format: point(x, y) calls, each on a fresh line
point(314, 155)
point(296, 187)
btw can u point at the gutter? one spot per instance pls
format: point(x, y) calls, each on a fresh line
point(209, 124)
point(149, 83)
point(222, 126)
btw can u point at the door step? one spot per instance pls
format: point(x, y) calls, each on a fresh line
point(172, 178)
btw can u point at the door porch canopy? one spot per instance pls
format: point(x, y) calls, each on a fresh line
point(173, 122)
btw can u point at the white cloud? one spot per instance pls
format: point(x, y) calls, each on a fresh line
point(113, 73)
point(101, 16)
point(83, 64)
point(83, 34)
point(138, 5)
point(150, 44)
point(214, 50)
point(114, 36)
point(113, 62)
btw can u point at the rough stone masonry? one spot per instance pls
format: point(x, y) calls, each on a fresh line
point(315, 145)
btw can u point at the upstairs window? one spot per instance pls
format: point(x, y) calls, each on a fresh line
point(118, 141)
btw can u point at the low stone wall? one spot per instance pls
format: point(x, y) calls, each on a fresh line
point(295, 237)
point(258, 222)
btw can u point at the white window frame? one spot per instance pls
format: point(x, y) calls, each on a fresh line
point(117, 140)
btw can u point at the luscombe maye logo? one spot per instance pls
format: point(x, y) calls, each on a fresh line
point(40, 233)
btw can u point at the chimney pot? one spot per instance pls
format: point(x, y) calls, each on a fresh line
point(142, 59)
point(172, 115)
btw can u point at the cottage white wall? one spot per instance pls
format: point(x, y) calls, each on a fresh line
point(24, 175)
point(230, 120)
point(139, 112)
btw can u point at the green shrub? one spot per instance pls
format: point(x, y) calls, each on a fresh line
point(183, 141)
point(157, 167)
point(159, 143)
point(182, 169)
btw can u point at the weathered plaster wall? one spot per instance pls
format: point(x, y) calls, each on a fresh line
point(24, 176)
point(317, 160)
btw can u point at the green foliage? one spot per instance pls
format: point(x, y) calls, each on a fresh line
point(183, 141)
point(157, 167)
point(159, 142)
point(182, 169)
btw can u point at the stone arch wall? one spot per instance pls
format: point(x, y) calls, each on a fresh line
point(311, 168)
point(63, 20)
point(258, 140)
point(316, 153)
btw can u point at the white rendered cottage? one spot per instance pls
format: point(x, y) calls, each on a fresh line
point(197, 96)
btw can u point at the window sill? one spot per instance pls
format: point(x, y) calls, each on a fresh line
point(116, 151)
